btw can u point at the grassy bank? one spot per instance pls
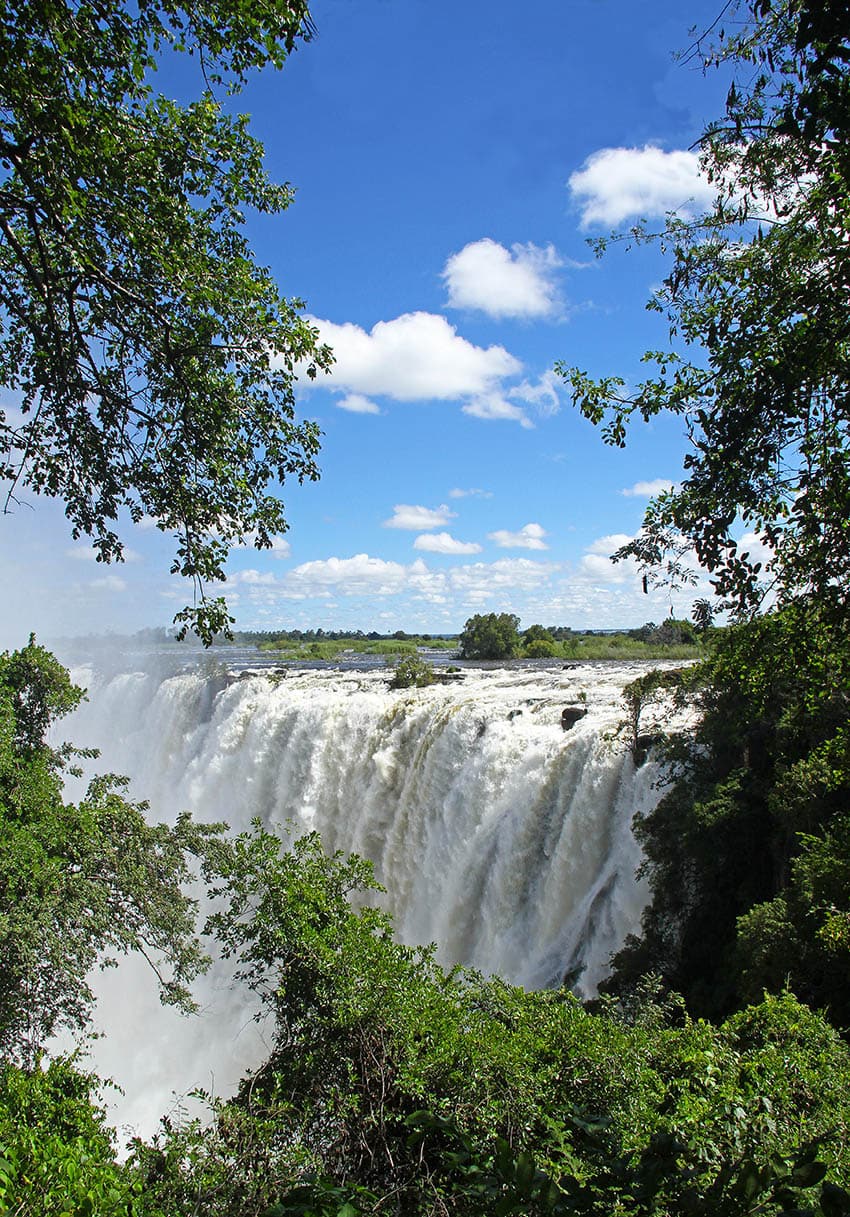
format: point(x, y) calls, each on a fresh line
point(577, 648)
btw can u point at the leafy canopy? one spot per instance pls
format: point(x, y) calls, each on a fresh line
point(151, 358)
point(747, 853)
point(490, 636)
point(756, 304)
point(79, 883)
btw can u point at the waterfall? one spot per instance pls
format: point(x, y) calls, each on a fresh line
point(498, 835)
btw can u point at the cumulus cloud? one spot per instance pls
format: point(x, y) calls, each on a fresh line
point(356, 403)
point(616, 184)
point(252, 578)
point(358, 575)
point(543, 394)
point(757, 548)
point(415, 357)
point(495, 405)
point(481, 582)
point(419, 519)
point(596, 565)
point(519, 282)
point(648, 490)
point(444, 543)
point(608, 544)
point(529, 537)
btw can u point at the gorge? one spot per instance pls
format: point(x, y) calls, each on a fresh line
point(496, 833)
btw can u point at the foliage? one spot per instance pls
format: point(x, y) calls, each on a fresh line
point(298, 645)
point(540, 648)
point(394, 1087)
point(756, 288)
point(490, 636)
point(152, 359)
point(56, 1154)
point(78, 882)
point(412, 673)
point(538, 643)
point(659, 690)
point(747, 852)
point(703, 614)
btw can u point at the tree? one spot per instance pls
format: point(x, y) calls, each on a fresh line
point(78, 883)
point(490, 636)
point(395, 1087)
point(746, 854)
point(153, 360)
point(757, 288)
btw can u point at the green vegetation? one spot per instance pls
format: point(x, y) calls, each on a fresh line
point(411, 672)
point(748, 854)
point(153, 358)
point(490, 636)
point(393, 1087)
point(671, 640)
point(297, 645)
point(78, 883)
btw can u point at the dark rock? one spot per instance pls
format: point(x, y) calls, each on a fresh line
point(570, 715)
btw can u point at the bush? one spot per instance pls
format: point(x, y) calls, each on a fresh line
point(411, 672)
point(541, 648)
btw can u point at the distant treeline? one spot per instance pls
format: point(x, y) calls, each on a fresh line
point(672, 632)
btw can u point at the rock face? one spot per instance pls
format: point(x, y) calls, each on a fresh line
point(570, 715)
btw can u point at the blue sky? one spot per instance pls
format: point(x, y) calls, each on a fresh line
point(450, 163)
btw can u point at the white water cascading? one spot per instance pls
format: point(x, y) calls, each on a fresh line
point(497, 834)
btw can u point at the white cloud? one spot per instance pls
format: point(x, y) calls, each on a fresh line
point(474, 492)
point(415, 357)
point(495, 405)
point(648, 490)
point(481, 582)
point(519, 282)
point(607, 545)
point(543, 395)
point(600, 569)
point(529, 537)
point(444, 543)
point(757, 548)
point(356, 403)
point(596, 565)
point(252, 578)
point(616, 184)
point(419, 519)
point(280, 547)
point(359, 575)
